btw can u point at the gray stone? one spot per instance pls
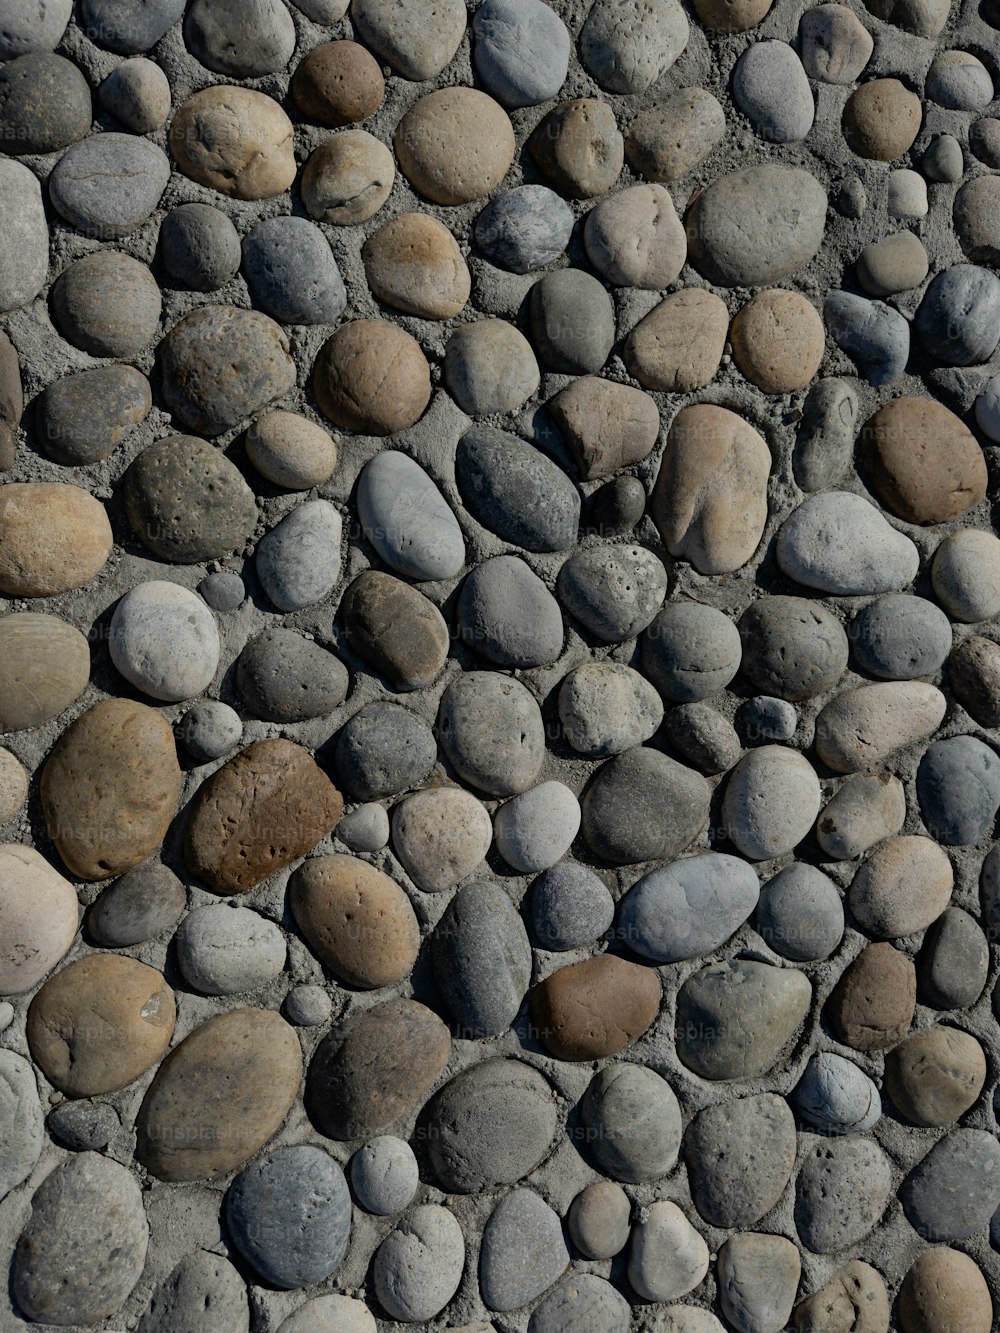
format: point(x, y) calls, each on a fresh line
point(415, 40)
point(506, 613)
point(824, 445)
point(955, 1190)
point(953, 963)
point(482, 960)
point(298, 562)
point(841, 1192)
point(874, 335)
point(606, 708)
point(966, 575)
point(200, 247)
point(84, 417)
point(440, 836)
point(24, 243)
point(83, 1247)
point(643, 806)
point(291, 272)
point(897, 263)
point(839, 543)
point(974, 674)
point(734, 1019)
point(210, 730)
point(534, 830)
point(570, 907)
point(407, 520)
point(901, 637)
point(740, 1155)
point(365, 829)
point(524, 228)
point(282, 677)
point(241, 38)
point(84, 1126)
point(834, 44)
point(30, 26)
point(984, 140)
point(866, 809)
point(522, 1253)
point(489, 368)
point(703, 737)
point(958, 320)
point(520, 52)
point(128, 26)
point(109, 184)
point(767, 718)
point(634, 238)
point(385, 1176)
point(308, 1006)
point(771, 802)
point(516, 492)
point(691, 651)
point(688, 908)
point(107, 304)
point(674, 135)
point(417, 1268)
point(22, 1131)
point(584, 1303)
point(944, 160)
point(958, 787)
point(137, 93)
point(146, 902)
point(837, 1097)
point(771, 89)
point(800, 914)
point(225, 950)
point(668, 1257)
point(613, 591)
point(598, 1220)
point(959, 81)
point(329, 1314)
point(44, 104)
point(792, 648)
point(758, 1279)
point(164, 641)
point(491, 731)
point(290, 1215)
point(633, 1123)
point(626, 45)
point(203, 1294)
point(384, 750)
point(571, 322)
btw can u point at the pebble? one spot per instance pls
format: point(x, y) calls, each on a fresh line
point(735, 1018)
point(137, 94)
point(578, 148)
point(377, 1070)
point(835, 45)
point(958, 320)
point(627, 46)
point(901, 637)
point(515, 491)
point(672, 137)
point(598, 1220)
point(13, 787)
point(595, 1008)
point(455, 145)
point(236, 141)
point(109, 184)
point(613, 591)
point(203, 1294)
point(842, 1188)
point(84, 417)
point(958, 787)
point(935, 1076)
point(770, 87)
point(906, 195)
point(944, 1289)
point(984, 140)
point(974, 214)
point(308, 1006)
point(298, 561)
point(414, 264)
point(221, 365)
point(689, 908)
point(754, 226)
point(291, 272)
point(224, 950)
point(348, 178)
point(239, 38)
point(955, 1190)
point(44, 104)
point(667, 1257)
point(107, 304)
point(758, 1279)
point(384, 750)
point(146, 902)
point(965, 575)
point(874, 335)
point(836, 1097)
point(164, 641)
point(338, 83)
point(330, 1314)
point(395, 629)
point(944, 160)
point(522, 1252)
point(987, 409)
point(230, 842)
point(352, 388)
point(534, 830)
point(200, 247)
point(524, 228)
point(418, 1267)
point(29, 26)
point(584, 1303)
point(127, 26)
point(953, 963)
point(571, 322)
point(643, 806)
point(606, 708)
point(633, 1123)
point(570, 907)
point(99, 1024)
point(824, 444)
point(417, 43)
point(793, 648)
point(777, 339)
point(703, 737)
point(289, 1214)
point(365, 829)
point(868, 808)
point(110, 788)
point(691, 651)
point(440, 836)
point(44, 668)
point(837, 542)
point(860, 728)
point(959, 81)
point(904, 885)
point(678, 346)
point(385, 1175)
point(800, 914)
point(607, 426)
point(491, 731)
point(769, 719)
point(710, 498)
point(84, 1126)
point(617, 507)
point(489, 368)
point(82, 1249)
point(871, 1007)
point(506, 613)
point(53, 538)
point(520, 51)
point(491, 1125)
point(881, 119)
point(24, 248)
point(407, 520)
point(210, 730)
point(740, 1156)
point(898, 263)
point(482, 960)
point(24, 1132)
point(635, 239)
point(290, 450)
point(731, 15)
point(924, 18)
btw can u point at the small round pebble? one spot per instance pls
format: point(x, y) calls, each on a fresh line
point(440, 836)
point(943, 159)
point(137, 93)
point(200, 247)
point(958, 320)
point(906, 195)
point(838, 543)
point(407, 519)
point(841, 1191)
point(667, 1257)
point(524, 229)
point(283, 677)
point(953, 962)
point(234, 140)
point(606, 708)
point(959, 81)
point(954, 1191)
point(384, 1175)
point(291, 272)
point(688, 908)
point(570, 907)
point(613, 591)
point(872, 1005)
point(308, 1006)
point(571, 321)
point(520, 51)
point(417, 1268)
point(679, 345)
point(84, 1126)
point(935, 1076)
point(514, 490)
point(800, 914)
point(868, 808)
point(944, 1291)
point(404, 36)
point(965, 574)
point(598, 1220)
point(643, 806)
point(901, 637)
point(413, 263)
point(348, 178)
point(338, 83)
point(298, 561)
point(351, 385)
point(454, 145)
point(772, 799)
point(881, 119)
point(958, 787)
point(897, 263)
point(365, 829)
point(836, 1097)
point(224, 950)
point(534, 830)
point(627, 48)
point(107, 303)
point(984, 140)
point(904, 885)
point(164, 641)
point(209, 730)
point(489, 368)
point(384, 750)
point(290, 450)
point(223, 592)
point(766, 718)
point(771, 88)
point(13, 786)
point(674, 135)
point(147, 901)
point(578, 148)
point(506, 613)
point(618, 506)
point(691, 651)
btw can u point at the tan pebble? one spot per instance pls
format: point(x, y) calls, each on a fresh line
point(291, 450)
point(895, 264)
point(39, 916)
point(455, 145)
point(607, 425)
point(977, 219)
point(338, 83)
point(489, 367)
point(860, 728)
point(935, 1076)
point(635, 239)
point(668, 140)
point(441, 835)
point(44, 667)
point(372, 378)
point(925, 464)
point(596, 1008)
point(778, 341)
point(236, 141)
point(871, 1006)
point(881, 119)
point(731, 15)
point(853, 1301)
point(414, 264)
point(579, 148)
point(904, 885)
point(53, 538)
point(348, 178)
point(678, 346)
point(945, 1292)
point(13, 786)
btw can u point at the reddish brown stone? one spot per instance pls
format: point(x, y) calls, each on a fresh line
point(595, 1008)
point(924, 464)
point(338, 83)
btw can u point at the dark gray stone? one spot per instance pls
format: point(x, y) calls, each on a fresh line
point(291, 272)
point(643, 806)
point(691, 651)
point(204, 1294)
point(570, 907)
point(943, 159)
point(482, 960)
point(633, 1123)
point(958, 320)
point(613, 591)
point(109, 184)
point(84, 1126)
point(395, 629)
point(958, 787)
point(734, 1019)
point(200, 247)
point(223, 592)
point(793, 648)
point(984, 140)
point(384, 750)
point(147, 901)
point(766, 719)
point(29, 26)
point(688, 908)
point(571, 322)
point(618, 506)
point(974, 676)
point(516, 492)
point(800, 914)
point(836, 1097)
point(524, 228)
point(901, 637)
point(523, 1251)
point(955, 1190)
point(491, 730)
point(282, 677)
point(740, 1155)
point(107, 303)
point(703, 737)
point(874, 335)
point(841, 1192)
point(44, 104)
point(84, 417)
point(506, 613)
point(241, 38)
point(954, 961)
point(128, 26)
point(520, 52)
point(584, 1303)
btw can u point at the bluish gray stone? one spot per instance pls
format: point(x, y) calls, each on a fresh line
point(768, 719)
point(407, 519)
point(291, 272)
point(688, 908)
point(22, 1129)
point(24, 239)
point(740, 1155)
point(842, 1189)
point(626, 44)
point(633, 1122)
point(482, 960)
point(283, 677)
point(703, 737)
point(44, 104)
point(513, 490)
point(200, 247)
point(506, 613)
point(770, 87)
point(954, 960)
point(824, 445)
point(524, 228)
point(837, 1097)
point(129, 26)
point(958, 320)
point(958, 787)
point(384, 750)
point(571, 322)
point(29, 26)
point(385, 1175)
point(691, 651)
point(147, 901)
point(837, 542)
point(643, 806)
point(223, 592)
point(225, 950)
point(792, 648)
point(901, 637)
point(290, 1216)
point(874, 335)
point(109, 184)
point(955, 1190)
point(959, 81)
point(800, 914)
point(613, 591)
point(298, 562)
point(534, 830)
point(584, 1303)
point(523, 1251)
point(417, 1268)
point(570, 907)
point(164, 641)
point(209, 730)
point(491, 730)
point(520, 52)
point(203, 1294)
point(241, 38)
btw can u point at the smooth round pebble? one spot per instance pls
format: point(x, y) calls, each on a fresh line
point(944, 160)
point(688, 908)
point(145, 902)
point(874, 335)
point(598, 1220)
point(338, 83)
point(200, 247)
point(330, 1314)
point(414, 264)
point(834, 44)
point(520, 51)
point(524, 229)
point(351, 385)
point(667, 1257)
point(618, 506)
point(308, 1006)
point(836, 1097)
point(583, 1303)
point(678, 346)
point(128, 26)
point(871, 1006)
point(836, 542)
point(137, 93)
point(954, 1190)
point(606, 708)
point(417, 1268)
point(44, 104)
point(643, 806)
point(772, 799)
point(571, 322)
point(984, 140)
point(771, 89)
point(107, 304)
point(634, 1123)
point(396, 629)
point(210, 730)
point(881, 119)
point(298, 562)
point(897, 263)
point(824, 443)
point(489, 368)
point(516, 491)
point(417, 43)
point(507, 614)
point(676, 134)
point(365, 829)
point(735, 1018)
point(535, 829)
point(440, 836)
point(635, 239)
point(777, 340)
point(800, 914)
point(348, 178)
point(234, 140)
point(866, 809)
point(758, 1279)
point(958, 320)
point(570, 907)
point(384, 750)
point(84, 1126)
point(290, 450)
point(959, 81)
point(935, 1076)
point(578, 148)
point(703, 737)
point(614, 591)
point(384, 1175)
point(944, 1291)
point(953, 962)
point(109, 184)
point(407, 519)
point(454, 145)
point(164, 641)
point(522, 1251)
point(901, 637)
point(691, 651)
point(224, 950)
point(766, 718)
point(841, 1190)
point(481, 959)
point(291, 272)
point(958, 787)
point(965, 574)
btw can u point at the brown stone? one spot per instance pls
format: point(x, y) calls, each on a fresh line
point(110, 788)
point(101, 1022)
point(579, 148)
point(219, 1096)
point(338, 83)
point(108, 304)
point(414, 264)
point(8, 447)
point(396, 629)
point(935, 1076)
point(363, 1079)
point(236, 141)
point(11, 394)
point(903, 886)
point(881, 119)
point(348, 178)
point(607, 425)
point(925, 465)
point(357, 921)
point(710, 498)
point(44, 667)
point(596, 1008)
point(853, 1301)
point(53, 538)
point(39, 916)
point(455, 145)
point(974, 673)
point(668, 140)
point(977, 219)
point(945, 1292)
point(679, 344)
point(778, 341)
point(372, 378)
point(731, 15)
point(872, 1005)
point(257, 814)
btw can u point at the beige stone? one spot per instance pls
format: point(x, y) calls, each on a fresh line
point(291, 451)
point(13, 786)
point(44, 667)
point(678, 346)
point(607, 426)
point(977, 219)
point(778, 341)
point(348, 178)
point(904, 885)
point(635, 239)
point(413, 263)
point(39, 916)
point(860, 728)
point(881, 119)
point(668, 140)
point(53, 538)
point(935, 1076)
point(440, 836)
point(872, 1005)
point(945, 1292)
point(455, 145)
point(579, 148)
point(236, 141)
point(372, 378)
point(925, 464)
point(853, 1301)
point(731, 15)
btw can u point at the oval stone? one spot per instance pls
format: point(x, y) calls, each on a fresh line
point(953, 963)
point(958, 787)
point(22, 1120)
point(792, 648)
point(688, 908)
point(800, 914)
point(407, 519)
point(866, 809)
point(596, 1008)
point(283, 677)
point(53, 538)
point(418, 43)
point(674, 135)
point(482, 960)
point(234, 140)
point(901, 637)
point(842, 1188)
point(944, 1288)
point(855, 1299)
point(836, 1096)
point(839, 543)
point(925, 465)
point(955, 1190)
point(351, 384)
point(24, 249)
point(227, 950)
point(454, 145)
point(299, 561)
point(516, 492)
point(871, 1006)
point(418, 1267)
point(634, 1122)
point(772, 799)
point(523, 1251)
point(38, 918)
point(414, 264)
point(395, 629)
point(44, 667)
point(627, 46)
point(606, 425)
point(108, 184)
point(384, 750)
point(606, 708)
point(734, 1019)
point(84, 417)
point(935, 1076)
point(904, 886)
point(861, 728)
point(507, 614)
point(440, 836)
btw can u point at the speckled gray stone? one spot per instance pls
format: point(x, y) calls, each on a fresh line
point(958, 787)
point(522, 1253)
point(308, 1006)
point(874, 335)
point(30, 26)
point(84, 417)
point(417, 1268)
point(584, 1303)
point(897, 263)
point(955, 1190)
point(482, 960)
point(23, 1131)
point(966, 575)
point(570, 907)
point(837, 542)
point(758, 1278)
point(298, 561)
point(571, 322)
point(800, 914)
point(959, 81)
point(520, 51)
point(606, 708)
point(766, 718)
point(668, 1257)
point(164, 641)
point(128, 26)
point(740, 1155)
point(241, 38)
point(703, 737)
point(384, 750)
point(953, 962)
point(618, 506)
point(84, 1126)
point(200, 247)
point(688, 908)
point(225, 950)
point(691, 651)
point(824, 444)
point(403, 37)
point(109, 184)
point(944, 160)
point(626, 45)
point(330, 1314)
point(137, 93)
point(524, 229)
point(613, 591)
point(534, 830)
point(209, 730)
point(44, 104)
point(385, 1175)
point(491, 730)
point(283, 677)
point(901, 637)
point(834, 44)
point(792, 648)
point(770, 87)
point(506, 614)
point(24, 244)
point(643, 806)
point(223, 591)
point(842, 1189)
point(291, 272)
point(365, 829)
point(147, 901)
point(513, 490)
point(772, 799)
point(837, 1097)
point(633, 1122)
point(203, 1294)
